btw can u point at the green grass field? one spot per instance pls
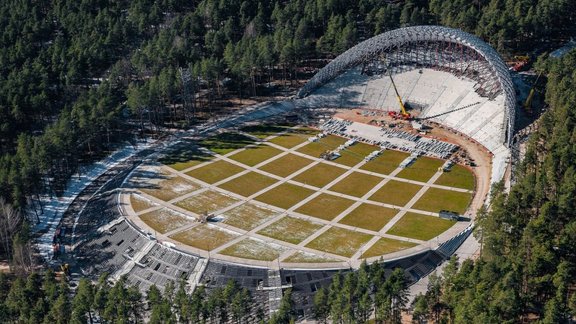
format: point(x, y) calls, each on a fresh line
point(384, 246)
point(225, 143)
point(286, 165)
point(421, 170)
point(329, 142)
point(459, 177)
point(289, 140)
point(248, 184)
point(254, 249)
point(305, 257)
point(164, 220)
point(325, 206)
point(248, 216)
point(355, 154)
point(263, 131)
point(291, 230)
point(339, 241)
point(185, 157)
point(285, 195)
point(139, 203)
point(319, 175)
point(396, 193)
point(435, 199)
point(254, 155)
point(370, 217)
point(216, 171)
point(420, 227)
point(207, 201)
point(171, 188)
point(356, 184)
point(387, 162)
point(294, 137)
point(206, 237)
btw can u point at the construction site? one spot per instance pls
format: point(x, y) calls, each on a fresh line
point(396, 144)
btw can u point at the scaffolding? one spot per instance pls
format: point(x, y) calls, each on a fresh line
point(434, 47)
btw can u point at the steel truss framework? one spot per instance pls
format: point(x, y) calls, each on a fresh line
point(436, 47)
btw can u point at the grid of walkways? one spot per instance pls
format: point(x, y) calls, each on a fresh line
point(309, 237)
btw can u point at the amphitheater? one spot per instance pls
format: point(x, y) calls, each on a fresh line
point(450, 79)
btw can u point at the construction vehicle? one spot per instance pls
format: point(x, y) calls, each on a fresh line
point(65, 268)
point(206, 217)
point(329, 155)
point(521, 63)
point(62, 271)
point(403, 114)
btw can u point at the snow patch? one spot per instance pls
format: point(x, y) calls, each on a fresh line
point(54, 207)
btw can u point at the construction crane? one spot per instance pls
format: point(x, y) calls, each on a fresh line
point(558, 53)
point(405, 115)
point(528, 102)
point(521, 63)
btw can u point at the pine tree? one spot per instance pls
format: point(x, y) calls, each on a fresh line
point(321, 305)
point(82, 302)
point(284, 314)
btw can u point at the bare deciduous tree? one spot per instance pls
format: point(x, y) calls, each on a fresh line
point(14, 244)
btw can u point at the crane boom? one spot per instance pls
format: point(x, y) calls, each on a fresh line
point(402, 108)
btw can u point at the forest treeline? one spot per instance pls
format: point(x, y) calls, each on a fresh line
point(357, 296)
point(49, 298)
point(77, 76)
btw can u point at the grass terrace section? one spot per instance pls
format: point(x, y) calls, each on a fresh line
point(165, 220)
point(305, 257)
point(422, 169)
point(248, 184)
point(248, 216)
point(339, 241)
point(263, 131)
point(255, 154)
point(226, 142)
point(216, 171)
point(370, 217)
point(385, 245)
point(208, 201)
point(387, 162)
point(325, 206)
point(294, 137)
point(206, 237)
point(355, 154)
point(185, 157)
point(285, 195)
point(291, 230)
point(171, 188)
point(286, 165)
point(327, 143)
point(395, 193)
point(420, 227)
point(435, 199)
point(250, 248)
point(356, 184)
point(139, 203)
point(459, 177)
point(319, 175)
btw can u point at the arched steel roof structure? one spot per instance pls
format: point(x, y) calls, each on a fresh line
point(437, 47)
